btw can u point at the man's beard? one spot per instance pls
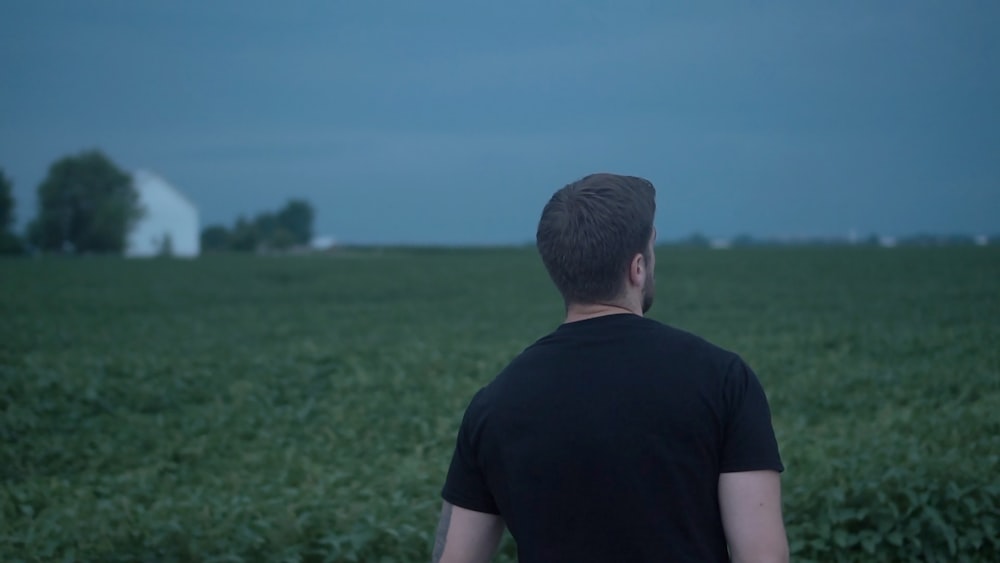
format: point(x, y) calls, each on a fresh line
point(648, 292)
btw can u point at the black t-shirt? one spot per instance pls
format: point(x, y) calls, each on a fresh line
point(604, 441)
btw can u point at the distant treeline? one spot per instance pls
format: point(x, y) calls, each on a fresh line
point(699, 240)
point(289, 227)
point(10, 243)
point(88, 205)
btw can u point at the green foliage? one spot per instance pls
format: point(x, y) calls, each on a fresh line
point(271, 234)
point(215, 238)
point(6, 203)
point(86, 205)
point(296, 220)
point(304, 409)
point(245, 236)
point(10, 243)
point(288, 227)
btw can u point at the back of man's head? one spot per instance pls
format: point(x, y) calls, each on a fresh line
point(589, 232)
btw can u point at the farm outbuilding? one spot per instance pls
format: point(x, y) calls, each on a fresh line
point(170, 224)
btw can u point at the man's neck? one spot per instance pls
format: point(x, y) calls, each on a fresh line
point(580, 312)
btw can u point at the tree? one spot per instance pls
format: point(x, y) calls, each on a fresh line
point(245, 237)
point(288, 227)
point(215, 238)
point(6, 203)
point(281, 239)
point(297, 218)
point(86, 204)
point(9, 242)
point(266, 224)
point(870, 240)
point(273, 235)
point(697, 239)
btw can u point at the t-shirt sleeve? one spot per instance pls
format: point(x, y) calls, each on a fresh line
point(466, 484)
point(749, 443)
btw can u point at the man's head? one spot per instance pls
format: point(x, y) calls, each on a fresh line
point(595, 238)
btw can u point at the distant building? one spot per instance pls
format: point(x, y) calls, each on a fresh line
point(323, 243)
point(887, 242)
point(170, 225)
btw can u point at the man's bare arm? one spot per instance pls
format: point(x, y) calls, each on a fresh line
point(466, 536)
point(750, 503)
point(441, 537)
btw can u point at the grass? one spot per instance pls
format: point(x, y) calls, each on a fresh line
point(304, 408)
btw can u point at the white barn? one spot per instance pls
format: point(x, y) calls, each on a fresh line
point(170, 223)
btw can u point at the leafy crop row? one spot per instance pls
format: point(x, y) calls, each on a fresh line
point(304, 409)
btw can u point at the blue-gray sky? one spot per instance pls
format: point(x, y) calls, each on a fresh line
point(452, 122)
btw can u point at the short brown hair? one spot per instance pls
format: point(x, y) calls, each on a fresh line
point(589, 232)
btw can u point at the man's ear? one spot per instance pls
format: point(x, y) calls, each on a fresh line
point(637, 270)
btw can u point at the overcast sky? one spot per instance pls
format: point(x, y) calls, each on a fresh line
point(453, 122)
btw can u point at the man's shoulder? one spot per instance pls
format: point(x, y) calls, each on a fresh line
point(643, 333)
point(657, 342)
point(675, 339)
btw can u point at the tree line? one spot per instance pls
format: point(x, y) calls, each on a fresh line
point(289, 227)
point(88, 205)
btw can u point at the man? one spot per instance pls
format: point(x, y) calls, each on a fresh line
point(615, 437)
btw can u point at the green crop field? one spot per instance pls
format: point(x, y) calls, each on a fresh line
point(304, 408)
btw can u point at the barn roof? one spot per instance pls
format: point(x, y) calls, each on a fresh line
point(143, 176)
